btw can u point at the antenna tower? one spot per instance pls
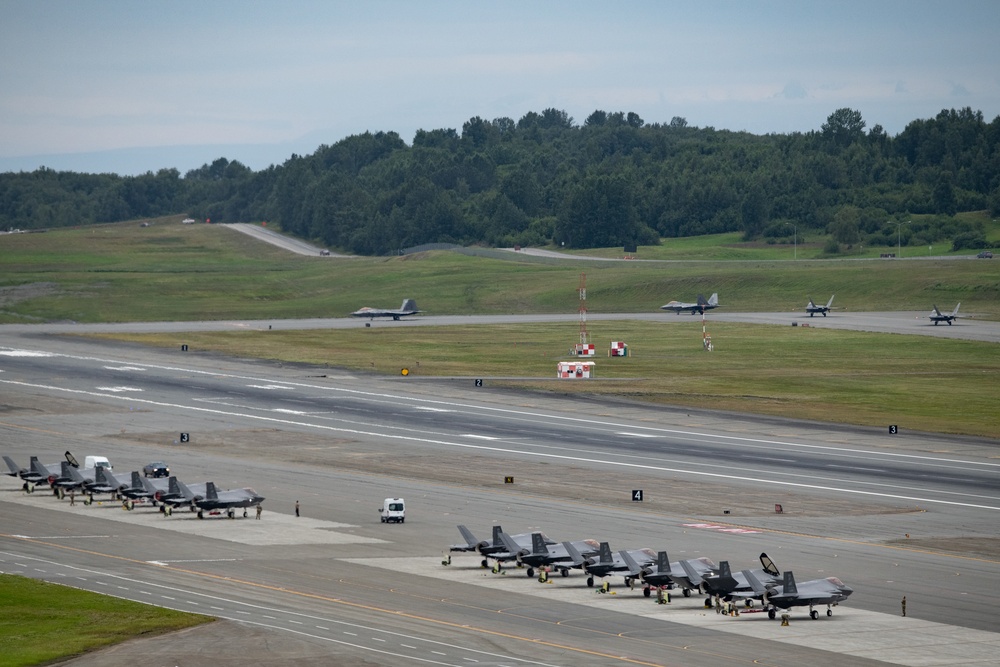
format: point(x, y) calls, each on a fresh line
point(583, 309)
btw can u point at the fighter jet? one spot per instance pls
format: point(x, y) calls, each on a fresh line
point(937, 316)
point(606, 562)
point(133, 491)
point(486, 549)
point(665, 573)
point(812, 308)
point(213, 499)
point(541, 554)
point(409, 307)
point(99, 484)
point(724, 583)
point(700, 307)
point(31, 475)
point(830, 591)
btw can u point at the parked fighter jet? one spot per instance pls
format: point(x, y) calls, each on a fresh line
point(937, 316)
point(472, 543)
point(605, 562)
point(213, 499)
point(665, 573)
point(132, 491)
point(830, 591)
point(700, 307)
point(99, 484)
point(724, 583)
point(812, 308)
point(30, 475)
point(541, 554)
point(409, 307)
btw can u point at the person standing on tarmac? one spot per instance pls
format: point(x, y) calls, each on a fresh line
point(296, 508)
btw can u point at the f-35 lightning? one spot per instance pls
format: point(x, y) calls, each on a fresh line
point(724, 583)
point(830, 591)
point(214, 499)
point(665, 573)
point(700, 307)
point(486, 549)
point(606, 563)
point(937, 316)
point(409, 307)
point(541, 554)
point(812, 308)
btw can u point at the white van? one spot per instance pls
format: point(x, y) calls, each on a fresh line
point(97, 462)
point(393, 509)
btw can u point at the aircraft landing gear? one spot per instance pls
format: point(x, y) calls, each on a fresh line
point(772, 614)
point(590, 582)
point(813, 614)
point(531, 572)
point(564, 572)
point(829, 612)
point(201, 515)
point(687, 592)
point(646, 592)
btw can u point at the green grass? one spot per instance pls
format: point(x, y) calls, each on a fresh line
point(41, 623)
point(920, 383)
point(168, 271)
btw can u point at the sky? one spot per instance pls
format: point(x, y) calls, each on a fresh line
point(129, 86)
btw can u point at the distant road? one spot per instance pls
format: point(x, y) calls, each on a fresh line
point(904, 322)
point(280, 240)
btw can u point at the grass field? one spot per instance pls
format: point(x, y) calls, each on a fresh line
point(807, 373)
point(41, 623)
point(169, 271)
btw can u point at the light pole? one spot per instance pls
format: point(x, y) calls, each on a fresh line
point(795, 240)
point(899, 228)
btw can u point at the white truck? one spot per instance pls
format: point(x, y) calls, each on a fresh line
point(393, 510)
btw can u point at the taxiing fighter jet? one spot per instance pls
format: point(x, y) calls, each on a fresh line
point(937, 316)
point(700, 307)
point(409, 307)
point(830, 591)
point(812, 308)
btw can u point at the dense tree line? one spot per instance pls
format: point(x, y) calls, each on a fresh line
point(614, 180)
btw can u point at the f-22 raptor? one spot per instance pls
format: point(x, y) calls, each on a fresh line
point(409, 307)
point(937, 316)
point(700, 307)
point(812, 308)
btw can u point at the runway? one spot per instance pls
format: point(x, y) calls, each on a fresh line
point(874, 510)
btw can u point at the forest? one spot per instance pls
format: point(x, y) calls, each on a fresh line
point(613, 180)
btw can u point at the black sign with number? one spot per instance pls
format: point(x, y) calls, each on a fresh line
point(893, 429)
point(637, 496)
point(508, 480)
point(479, 382)
point(185, 437)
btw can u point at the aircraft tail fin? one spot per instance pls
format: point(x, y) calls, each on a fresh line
point(812, 304)
point(754, 582)
point(182, 488)
point(701, 300)
point(936, 311)
point(469, 538)
point(508, 543)
point(605, 553)
point(100, 477)
point(137, 480)
point(497, 542)
point(14, 469)
point(692, 574)
point(69, 471)
point(633, 567)
point(714, 299)
point(662, 562)
point(954, 313)
point(35, 466)
point(788, 587)
point(769, 566)
point(574, 553)
point(829, 304)
point(409, 304)
point(538, 545)
point(210, 491)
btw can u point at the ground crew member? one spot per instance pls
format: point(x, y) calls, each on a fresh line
point(72, 500)
point(259, 510)
point(296, 508)
point(904, 605)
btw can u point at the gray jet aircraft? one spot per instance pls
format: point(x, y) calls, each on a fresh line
point(830, 591)
point(541, 554)
point(606, 563)
point(213, 499)
point(700, 307)
point(725, 582)
point(409, 307)
point(937, 316)
point(486, 549)
point(665, 573)
point(812, 308)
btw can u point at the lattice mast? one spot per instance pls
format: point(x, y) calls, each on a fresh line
point(583, 309)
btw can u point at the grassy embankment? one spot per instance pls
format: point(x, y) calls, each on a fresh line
point(174, 272)
point(43, 622)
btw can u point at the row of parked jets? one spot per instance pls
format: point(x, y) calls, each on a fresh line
point(68, 478)
point(654, 571)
